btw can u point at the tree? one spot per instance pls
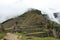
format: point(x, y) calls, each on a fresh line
point(53, 28)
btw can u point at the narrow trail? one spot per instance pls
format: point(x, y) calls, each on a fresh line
point(11, 36)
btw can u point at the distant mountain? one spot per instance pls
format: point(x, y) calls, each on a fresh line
point(57, 16)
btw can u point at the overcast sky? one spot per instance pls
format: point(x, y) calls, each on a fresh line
point(12, 8)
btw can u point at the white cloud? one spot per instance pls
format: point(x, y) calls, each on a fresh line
point(11, 8)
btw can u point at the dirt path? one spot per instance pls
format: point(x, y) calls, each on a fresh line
point(11, 36)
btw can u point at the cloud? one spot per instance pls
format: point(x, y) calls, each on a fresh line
point(12, 8)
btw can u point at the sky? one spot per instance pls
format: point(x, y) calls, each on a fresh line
point(13, 8)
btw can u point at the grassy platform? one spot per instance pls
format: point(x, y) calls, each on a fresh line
point(24, 37)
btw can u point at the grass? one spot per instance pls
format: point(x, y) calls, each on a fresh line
point(36, 32)
point(7, 28)
point(46, 38)
point(2, 34)
point(24, 37)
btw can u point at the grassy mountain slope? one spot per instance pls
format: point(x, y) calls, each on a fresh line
point(31, 23)
point(32, 18)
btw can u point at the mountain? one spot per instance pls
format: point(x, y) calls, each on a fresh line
point(32, 18)
point(57, 16)
point(32, 22)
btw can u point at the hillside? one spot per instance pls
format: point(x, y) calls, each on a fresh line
point(32, 23)
point(32, 18)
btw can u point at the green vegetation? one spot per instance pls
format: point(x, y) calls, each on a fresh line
point(33, 24)
point(2, 34)
point(7, 28)
point(24, 37)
